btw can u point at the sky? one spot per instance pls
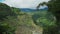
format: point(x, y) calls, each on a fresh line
point(23, 3)
point(1, 0)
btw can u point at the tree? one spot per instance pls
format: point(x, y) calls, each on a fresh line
point(16, 10)
point(5, 11)
point(8, 19)
point(53, 7)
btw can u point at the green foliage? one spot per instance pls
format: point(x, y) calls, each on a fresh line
point(53, 7)
point(43, 18)
point(16, 10)
point(8, 19)
point(5, 11)
point(45, 22)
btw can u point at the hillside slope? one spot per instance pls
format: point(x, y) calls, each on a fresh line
point(27, 26)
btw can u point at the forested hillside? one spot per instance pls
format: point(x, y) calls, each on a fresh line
point(53, 7)
point(15, 21)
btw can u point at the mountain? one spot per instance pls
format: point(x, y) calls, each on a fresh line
point(27, 9)
point(32, 10)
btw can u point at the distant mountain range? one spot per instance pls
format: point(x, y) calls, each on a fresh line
point(29, 9)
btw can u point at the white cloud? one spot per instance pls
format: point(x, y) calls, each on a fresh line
point(23, 3)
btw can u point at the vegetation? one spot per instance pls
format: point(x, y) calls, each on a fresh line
point(8, 19)
point(12, 18)
point(53, 7)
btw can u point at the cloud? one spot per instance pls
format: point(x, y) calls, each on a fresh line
point(23, 3)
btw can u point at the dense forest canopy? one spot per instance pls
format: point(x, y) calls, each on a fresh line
point(8, 15)
point(53, 7)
